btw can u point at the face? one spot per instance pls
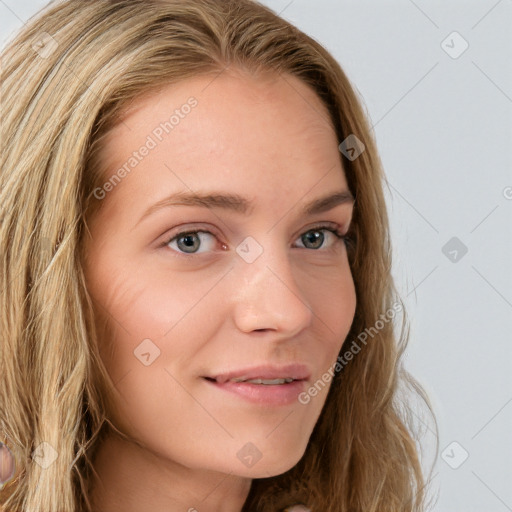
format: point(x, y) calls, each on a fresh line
point(195, 293)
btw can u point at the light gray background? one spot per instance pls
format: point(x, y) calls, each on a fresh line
point(444, 130)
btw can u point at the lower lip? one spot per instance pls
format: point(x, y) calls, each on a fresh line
point(277, 394)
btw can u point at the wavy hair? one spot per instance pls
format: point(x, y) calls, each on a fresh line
point(65, 80)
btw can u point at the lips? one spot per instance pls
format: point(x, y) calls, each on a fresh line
point(268, 386)
point(264, 374)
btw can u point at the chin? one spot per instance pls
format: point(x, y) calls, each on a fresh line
point(275, 464)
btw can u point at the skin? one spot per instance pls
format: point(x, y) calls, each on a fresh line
point(269, 139)
point(7, 464)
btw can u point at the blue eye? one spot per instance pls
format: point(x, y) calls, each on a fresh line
point(189, 242)
point(315, 235)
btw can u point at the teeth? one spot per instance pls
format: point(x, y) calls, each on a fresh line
point(267, 382)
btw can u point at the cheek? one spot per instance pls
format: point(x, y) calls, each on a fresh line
point(145, 310)
point(156, 332)
point(334, 306)
point(334, 302)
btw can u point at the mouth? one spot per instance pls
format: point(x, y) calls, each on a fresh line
point(264, 382)
point(264, 385)
point(265, 375)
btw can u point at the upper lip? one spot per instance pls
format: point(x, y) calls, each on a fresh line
point(294, 371)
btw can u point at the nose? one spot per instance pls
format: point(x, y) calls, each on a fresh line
point(269, 297)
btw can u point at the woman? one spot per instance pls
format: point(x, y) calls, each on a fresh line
point(197, 307)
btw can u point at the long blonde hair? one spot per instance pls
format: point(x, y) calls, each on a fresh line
point(65, 79)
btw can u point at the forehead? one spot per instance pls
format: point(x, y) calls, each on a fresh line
point(269, 134)
point(233, 102)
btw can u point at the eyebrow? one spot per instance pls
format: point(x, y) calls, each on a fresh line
point(242, 205)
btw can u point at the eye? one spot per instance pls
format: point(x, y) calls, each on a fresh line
point(314, 238)
point(190, 242)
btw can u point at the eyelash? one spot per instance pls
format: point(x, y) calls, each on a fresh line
point(322, 227)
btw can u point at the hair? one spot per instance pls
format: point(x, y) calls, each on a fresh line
point(57, 106)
